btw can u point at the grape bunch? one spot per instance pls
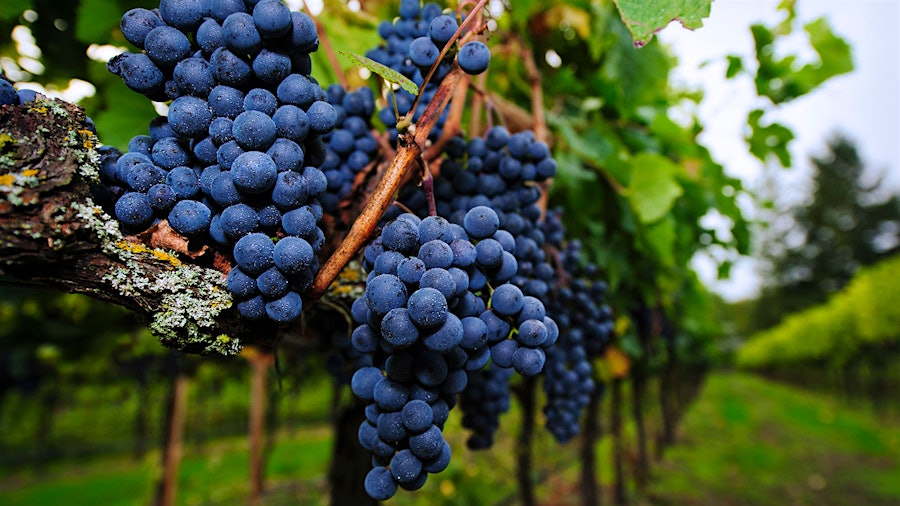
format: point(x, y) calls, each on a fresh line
point(586, 326)
point(412, 45)
point(190, 46)
point(485, 398)
point(236, 161)
point(351, 146)
point(501, 171)
point(424, 319)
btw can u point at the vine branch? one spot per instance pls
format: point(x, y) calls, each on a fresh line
point(410, 149)
point(329, 49)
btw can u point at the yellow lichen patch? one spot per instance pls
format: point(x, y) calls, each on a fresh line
point(4, 138)
point(87, 134)
point(30, 172)
point(340, 290)
point(40, 109)
point(158, 254)
point(7, 180)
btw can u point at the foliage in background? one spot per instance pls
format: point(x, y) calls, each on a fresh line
point(814, 249)
point(780, 78)
point(863, 319)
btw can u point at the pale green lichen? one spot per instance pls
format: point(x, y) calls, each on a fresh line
point(192, 297)
point(14, 184)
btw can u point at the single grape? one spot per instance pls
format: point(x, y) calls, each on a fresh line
point(474, 57)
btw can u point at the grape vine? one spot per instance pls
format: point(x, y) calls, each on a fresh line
point(468, 278)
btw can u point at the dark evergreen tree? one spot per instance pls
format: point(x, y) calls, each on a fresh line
point(845, 224)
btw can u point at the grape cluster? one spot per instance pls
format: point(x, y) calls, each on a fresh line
point(412, 45)
point(485, 398)
point(501, 171)
point(351, 146)
point(236, 160)
point(586, 326)
point(191, 46)
point(424, 315)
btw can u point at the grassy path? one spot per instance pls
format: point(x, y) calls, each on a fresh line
point(745, 441)
point(748, 441)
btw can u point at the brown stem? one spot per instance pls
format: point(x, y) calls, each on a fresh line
point(462, 26)
point(428, 187)
point(329, 49)
point(477, 106)
point(537, 94)
point(454, 119)
point(410, 149)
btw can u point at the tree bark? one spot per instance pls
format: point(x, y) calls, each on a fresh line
point(590, 487)
point(172, 451)
point(638, 387)
point(140, 418)
point(667, 393)
point(350, 462)
point(53, 235)
point(260, 362)
point(524, 467)
point(615, 426)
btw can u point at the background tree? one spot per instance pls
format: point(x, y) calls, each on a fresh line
point(815, 248)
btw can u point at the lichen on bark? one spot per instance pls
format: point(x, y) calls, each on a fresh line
point(53, 235)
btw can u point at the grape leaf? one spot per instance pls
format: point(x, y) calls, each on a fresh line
point(646, 17)
point(10, 9)
point(96, 19)
point(127, 112)
point(617, 361)
point(653, 187)
point(769, 139)
point(781, 78)
point(387, 73)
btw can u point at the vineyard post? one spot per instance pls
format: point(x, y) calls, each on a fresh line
point(618, 439)
point(173, 447)
point(590, 487)
point(527, 393)
point(260, 361)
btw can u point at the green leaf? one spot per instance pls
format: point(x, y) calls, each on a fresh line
point(769, 139)
point(782, 80)
point(351, 31)
point(660, 240)
point(127, 114)
point(11, 9)
point(835, 54)
point(735, 66)
point(388, 74)
point(646, 17)
point(96, 19)
point(653, 187)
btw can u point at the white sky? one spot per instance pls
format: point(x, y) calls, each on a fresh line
point(864, 104)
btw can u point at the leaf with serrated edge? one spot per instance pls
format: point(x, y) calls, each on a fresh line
point(646, 17)
point(388, 74)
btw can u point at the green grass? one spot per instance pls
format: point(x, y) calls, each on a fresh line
point(212, 474)
point(747, 441)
